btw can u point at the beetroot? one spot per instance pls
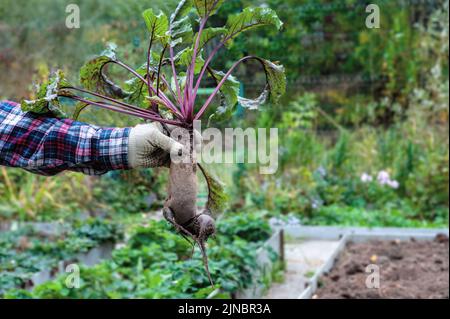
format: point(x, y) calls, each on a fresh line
point(180, 208)
point(159, 92)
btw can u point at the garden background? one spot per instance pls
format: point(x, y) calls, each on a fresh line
point(364, 139)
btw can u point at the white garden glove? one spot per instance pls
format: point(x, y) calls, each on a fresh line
point(149, 147)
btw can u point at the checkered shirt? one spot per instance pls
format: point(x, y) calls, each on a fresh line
point(47, 146)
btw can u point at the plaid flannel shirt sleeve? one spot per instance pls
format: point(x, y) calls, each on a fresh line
point(48, 146)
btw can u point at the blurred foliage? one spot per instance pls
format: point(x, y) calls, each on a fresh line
point(30, 197)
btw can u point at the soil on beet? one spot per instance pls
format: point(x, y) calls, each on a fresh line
point(408, 270)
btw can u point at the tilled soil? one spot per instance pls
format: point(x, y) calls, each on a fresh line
point(407, 270)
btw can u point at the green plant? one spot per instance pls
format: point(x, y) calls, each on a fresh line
point(247, 227)
point(25, 252)
point(149, 95)
point(154, 264)
point(387, 217)
point(25, 196)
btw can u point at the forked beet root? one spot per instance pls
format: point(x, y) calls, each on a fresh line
point(180, 208)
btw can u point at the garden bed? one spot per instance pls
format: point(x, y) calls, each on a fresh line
point(410, 269)
point(155, 262)
point(413, 263)
point(266, 265)
point(31, 255)
point(42, 228)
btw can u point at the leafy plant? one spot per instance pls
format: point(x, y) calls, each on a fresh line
point(171, 97)
point(178, 95)
point(248, 228)
point(154, 264)
point(25, 252)
point(26, 197)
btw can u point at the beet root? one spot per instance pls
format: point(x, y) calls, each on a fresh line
point(181, 205)
point(203, 227)
point(180, 208)
point(183, 189)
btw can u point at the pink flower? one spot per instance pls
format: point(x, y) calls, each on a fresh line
point(366, 178)
point(383, 178)
point(393, 184)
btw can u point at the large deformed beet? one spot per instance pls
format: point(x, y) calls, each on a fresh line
point(180, 208)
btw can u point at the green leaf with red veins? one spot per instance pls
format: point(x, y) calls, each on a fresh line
point(207, 7)
point(182, 10)
point(184, 58)
point(180, 29)
point(251, 18)
point(136, 89)
point(93, 78)
point(181, 81)
point(275, 87)
point(208, 34)
point(229, 94)
point(47, 100)
point(158, 25)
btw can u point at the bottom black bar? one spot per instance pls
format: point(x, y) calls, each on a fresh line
point(221, 308)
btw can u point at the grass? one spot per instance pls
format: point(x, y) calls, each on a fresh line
point(361, 217)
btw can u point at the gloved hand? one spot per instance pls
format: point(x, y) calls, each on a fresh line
point(149, 147)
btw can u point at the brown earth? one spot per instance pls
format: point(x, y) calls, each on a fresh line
point(408, 270)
